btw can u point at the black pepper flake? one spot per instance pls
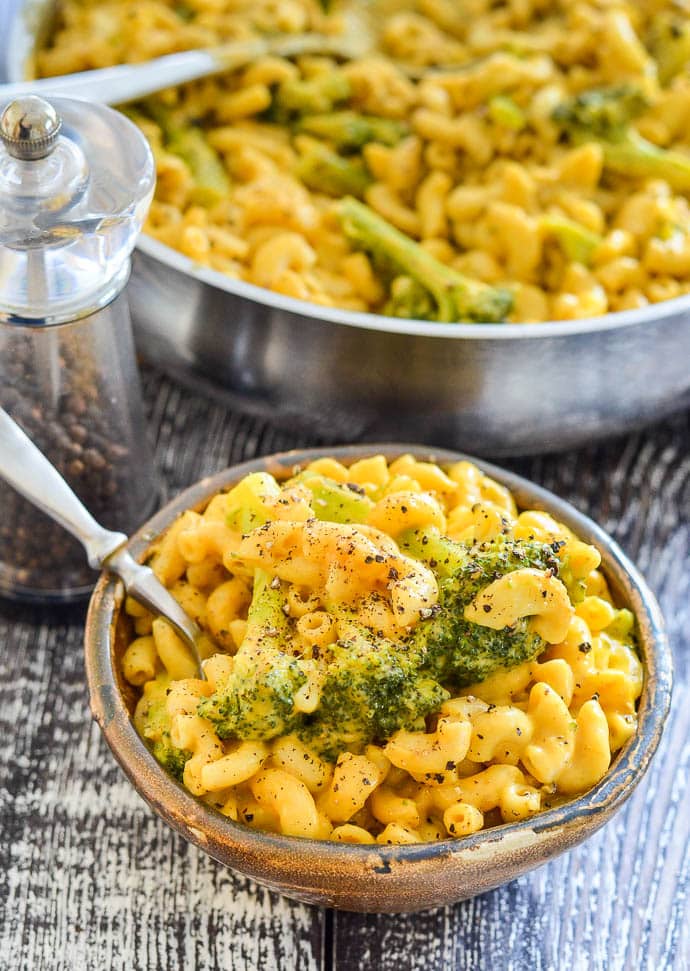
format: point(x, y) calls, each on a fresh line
point(368, 559)
point(393, 574)
point(380, 558)
point(450, 766)
point(353, 487)
point(585, 647)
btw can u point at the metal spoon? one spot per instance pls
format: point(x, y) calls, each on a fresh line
point(29, 472)
point(129, 82)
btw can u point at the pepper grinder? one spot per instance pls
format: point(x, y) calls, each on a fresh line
point(76, 181)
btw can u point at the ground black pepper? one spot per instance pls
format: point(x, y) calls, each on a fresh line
point(81, 432)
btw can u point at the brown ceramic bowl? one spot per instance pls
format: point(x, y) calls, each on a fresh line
point(378, 878)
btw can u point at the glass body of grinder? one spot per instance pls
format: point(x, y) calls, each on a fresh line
point(76, 180)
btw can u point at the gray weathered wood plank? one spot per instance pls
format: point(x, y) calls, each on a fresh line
point(90, 879)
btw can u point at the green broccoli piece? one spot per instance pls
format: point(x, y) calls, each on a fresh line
point(456, 297)
point(669, 44)
point(576, 586)
point(188, 142)
point(246, 502)
point(350, 130)
point(152, 721)
point(313, 96)
point(442, 555)
point(371, 690)
point(605, 115)
point(323, 170)
point(622, 627)
point(184, 12)
point(577, 242)
point(504, 112)
point(257, 700)
point(335, 502)
point(409, 299)
point(454, 650)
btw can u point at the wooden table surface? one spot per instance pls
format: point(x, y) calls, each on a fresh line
point(91, 879)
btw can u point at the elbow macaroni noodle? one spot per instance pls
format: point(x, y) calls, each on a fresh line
point(524, 739)
point(477, 186)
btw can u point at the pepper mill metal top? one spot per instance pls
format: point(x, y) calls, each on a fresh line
point(29, 128)
point(76, 180)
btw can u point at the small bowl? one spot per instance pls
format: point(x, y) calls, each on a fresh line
point(389, 879)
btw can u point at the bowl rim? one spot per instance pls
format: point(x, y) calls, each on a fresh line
point(658, 312)
point(21, 36)
point(217, 834)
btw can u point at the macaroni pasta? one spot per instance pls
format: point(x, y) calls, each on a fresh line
point(448, 128)
point(396, 654)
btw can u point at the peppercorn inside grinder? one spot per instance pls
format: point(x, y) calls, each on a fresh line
point(76, 181)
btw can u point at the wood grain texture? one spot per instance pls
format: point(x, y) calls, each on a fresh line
point(91, 879)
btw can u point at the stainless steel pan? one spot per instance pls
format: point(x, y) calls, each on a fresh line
point(491, 389)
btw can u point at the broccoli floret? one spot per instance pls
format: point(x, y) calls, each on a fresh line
point(172, 759)
point(313, 96)
point(371, 689)
point(456, 297)
point(152, 721)
point(669, 43)
point(577, 242)
point(605, 115)
point(211, 182)
point(350, 130)
point(454, 650)
point(257, 700)
point(323, 170)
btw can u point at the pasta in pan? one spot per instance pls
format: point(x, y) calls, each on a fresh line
point(521, 161)
point(394, 653)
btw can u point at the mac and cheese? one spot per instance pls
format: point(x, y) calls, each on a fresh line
point(477, 131)
point(394, 653)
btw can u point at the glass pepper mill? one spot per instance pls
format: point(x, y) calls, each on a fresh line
point(76, 181)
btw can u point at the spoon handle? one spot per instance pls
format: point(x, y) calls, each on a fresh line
point(29, 472)
point(128, 82)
